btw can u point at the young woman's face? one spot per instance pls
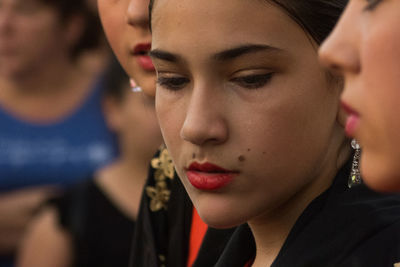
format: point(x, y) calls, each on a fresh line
point(126, 25)
point(245, 108)
point(365, 48)
point(30, 34)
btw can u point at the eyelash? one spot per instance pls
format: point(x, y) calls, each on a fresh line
point(172, 83)
point(372, 4)
point(253, 81)
point(248, 82)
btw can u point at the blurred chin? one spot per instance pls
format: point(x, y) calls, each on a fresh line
point(381, 174)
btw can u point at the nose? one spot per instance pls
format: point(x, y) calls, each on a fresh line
point(138, 13)
point(339, 52)
point(205, 121)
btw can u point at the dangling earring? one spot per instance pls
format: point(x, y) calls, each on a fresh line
point(355, 176)
point(135, 88)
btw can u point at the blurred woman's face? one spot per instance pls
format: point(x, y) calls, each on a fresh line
point(30, 35)
point(245, 108)
point(126, 25)
point(364, 47)
point(134, 120)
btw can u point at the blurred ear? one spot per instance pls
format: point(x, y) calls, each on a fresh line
point(112, 113)
point(74, 29)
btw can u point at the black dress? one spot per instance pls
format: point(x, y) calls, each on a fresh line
point(341, 228)
point(102, 234)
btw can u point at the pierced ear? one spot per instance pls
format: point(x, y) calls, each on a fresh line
point(112, 113)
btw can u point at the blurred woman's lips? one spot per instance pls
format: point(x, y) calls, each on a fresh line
point(140, 51)
point(208, 176)
point(352, 121)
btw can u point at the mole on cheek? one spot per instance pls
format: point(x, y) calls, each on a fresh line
point(248, 150)
point(241, 158)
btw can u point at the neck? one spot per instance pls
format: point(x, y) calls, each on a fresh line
point(60, 89)
point(46, 80)
point(271, 229)
point(131, 171)
point(271, 233)
point(123, 182)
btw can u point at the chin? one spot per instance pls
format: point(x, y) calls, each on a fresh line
point(220, 222)
point(220, 215)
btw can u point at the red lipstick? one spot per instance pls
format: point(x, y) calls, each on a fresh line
point(207, 176)
point(353, 120)
point(141, 51)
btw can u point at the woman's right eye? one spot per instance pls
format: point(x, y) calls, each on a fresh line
point(173, 83)
point(371, 4)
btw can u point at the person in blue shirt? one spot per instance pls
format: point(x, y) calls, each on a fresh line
point(77, 227)
point(53, 132)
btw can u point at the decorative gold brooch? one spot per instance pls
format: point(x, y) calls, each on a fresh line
point(160, 193)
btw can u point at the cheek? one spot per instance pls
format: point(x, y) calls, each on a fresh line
point(112, 19)
point(381, 76)
point(39, 31)
point(42, 41)
point(113, 32)
point(168, 118)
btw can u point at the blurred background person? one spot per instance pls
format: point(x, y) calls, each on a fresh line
point(364, 48)
point(93, 223)
point(52, 126)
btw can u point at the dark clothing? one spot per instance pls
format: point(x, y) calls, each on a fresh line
point(164, 221)
point(102, 234)
point(342, 227)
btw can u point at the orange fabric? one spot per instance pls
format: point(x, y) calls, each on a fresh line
point(249, 263)
point(197, 233)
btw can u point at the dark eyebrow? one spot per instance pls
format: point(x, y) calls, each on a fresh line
point(241, 50)
point(220, 56)
point(163, 55)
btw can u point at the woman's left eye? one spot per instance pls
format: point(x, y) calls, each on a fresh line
point(253, 81)
point(371, 4)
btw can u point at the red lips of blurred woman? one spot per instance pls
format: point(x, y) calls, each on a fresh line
point(140, 51)
point(208, 176)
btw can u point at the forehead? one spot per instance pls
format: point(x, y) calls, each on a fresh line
point(220, 22)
